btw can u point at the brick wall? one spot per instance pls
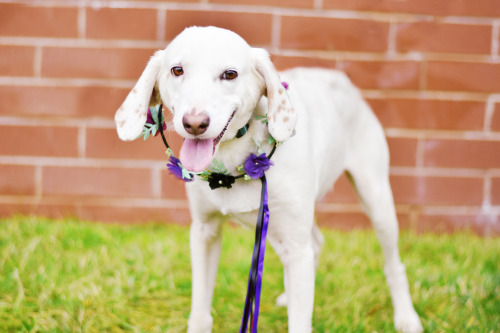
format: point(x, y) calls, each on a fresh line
point(430, 70)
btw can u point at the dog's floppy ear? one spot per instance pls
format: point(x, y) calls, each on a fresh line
point(280, 114)
point(132, 114)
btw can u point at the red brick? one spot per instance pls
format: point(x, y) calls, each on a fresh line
point(437, 190)
point(349, 221)
point(244, 24)
point(287, 62)
point(403, 151)
point(462, 154)
point(319, 33)
point(8, 210)
point(16, 60)
point(343, 192)
point(99, 182)
point(343, 221)
point(429, 114)
point(457, 76)
point(383, 74)
point(111, 213)
point(94, 62)
point(127, 214)
point(171, 187)
point(17, 180)
point(425, 36)
point(495, 191)
point(61, 101)
point(489, 8)
point(21, 20)
point(38, 141)
point(185, 1)
point(442, 223)
point(274, 3)
point(121, 23)
point(104, 143)
point(495, 122)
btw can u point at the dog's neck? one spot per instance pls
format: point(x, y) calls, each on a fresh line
point(235, 151)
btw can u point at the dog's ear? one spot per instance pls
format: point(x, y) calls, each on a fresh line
point(281, 116)
point(132, 114)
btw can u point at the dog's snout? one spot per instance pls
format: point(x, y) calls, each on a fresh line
point(196, 124)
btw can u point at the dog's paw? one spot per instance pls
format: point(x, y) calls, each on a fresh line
point(281, 300)
point(408, 322)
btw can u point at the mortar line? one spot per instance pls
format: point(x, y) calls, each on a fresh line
point(391, 38)
point(488, 113)
point(82, 141)
point(38, 181)
point(495, 36)
point(276, 31)
point(82, 22)
point(156, 181)
point(161, 18)
point(37, 62)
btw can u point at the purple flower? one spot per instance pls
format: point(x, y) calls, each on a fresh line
point(284, 84)
point(151, 121)
point(255, 166)
point(175, 168)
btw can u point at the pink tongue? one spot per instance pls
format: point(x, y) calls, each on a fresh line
point(196, 155)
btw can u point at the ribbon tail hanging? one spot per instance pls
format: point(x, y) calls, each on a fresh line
point(262, 252)
point(257, 267)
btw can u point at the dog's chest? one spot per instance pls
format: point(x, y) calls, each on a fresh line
point(243, 197)
point(239, 203)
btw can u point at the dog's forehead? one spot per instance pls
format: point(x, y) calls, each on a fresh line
point(208, 44)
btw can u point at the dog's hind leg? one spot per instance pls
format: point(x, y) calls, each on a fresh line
point(372, 184)
point(205, 242)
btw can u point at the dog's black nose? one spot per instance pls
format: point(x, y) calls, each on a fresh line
point(196, 124)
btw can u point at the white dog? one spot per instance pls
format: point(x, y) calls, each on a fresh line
point(214, 83)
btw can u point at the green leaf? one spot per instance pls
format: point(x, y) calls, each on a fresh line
point(218, 167)
point(263, 118)
point(154, 114)
point(271, 139)
point(185, 174)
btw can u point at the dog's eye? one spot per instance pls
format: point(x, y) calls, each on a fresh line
point(229, 75)
point(177, 70)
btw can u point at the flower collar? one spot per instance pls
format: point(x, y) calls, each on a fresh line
point(216, 175)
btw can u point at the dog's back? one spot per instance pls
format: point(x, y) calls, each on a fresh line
point(334, 124)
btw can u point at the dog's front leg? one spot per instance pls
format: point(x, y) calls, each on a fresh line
point(205, 243)
point(299, 285)
point(293, 243)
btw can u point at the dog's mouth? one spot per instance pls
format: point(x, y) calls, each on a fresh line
point(197, 154)
point(221, 134)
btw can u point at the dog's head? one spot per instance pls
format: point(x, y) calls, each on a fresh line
point(211, 80)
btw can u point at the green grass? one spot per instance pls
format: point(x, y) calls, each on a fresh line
point(69, 276)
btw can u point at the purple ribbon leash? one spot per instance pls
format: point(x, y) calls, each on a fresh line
point(255, 276)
